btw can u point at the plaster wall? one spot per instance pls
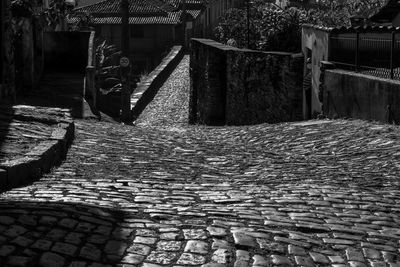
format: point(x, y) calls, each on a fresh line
point(354, 95)
point(316, 41)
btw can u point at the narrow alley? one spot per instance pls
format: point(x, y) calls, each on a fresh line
point(163, 193)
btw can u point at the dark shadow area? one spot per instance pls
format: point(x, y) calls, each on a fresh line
point(66, 52)
point(58, 89)
point(110, 105)
point(35, 233)
point(62, 82)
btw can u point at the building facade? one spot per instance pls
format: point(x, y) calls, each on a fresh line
point(155, 26)
point(315, 47)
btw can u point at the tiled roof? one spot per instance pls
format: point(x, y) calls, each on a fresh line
point(172, 18)
point(108, 7)
point(361, 29)
point(141, 11)
point(176, 3)
point(82, 3)
point(317, 27)
point(148, 7)
point(194, 13)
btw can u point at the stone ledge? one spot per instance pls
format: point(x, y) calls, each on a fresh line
point(45, 155)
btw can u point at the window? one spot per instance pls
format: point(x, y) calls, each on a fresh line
point(137, 31)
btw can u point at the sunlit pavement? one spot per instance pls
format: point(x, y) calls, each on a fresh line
point(163, 193)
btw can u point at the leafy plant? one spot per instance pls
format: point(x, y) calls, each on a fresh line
point(56, 13)
point(21, 8)
point(269, 28)
point(272, 28)
point(107, 66)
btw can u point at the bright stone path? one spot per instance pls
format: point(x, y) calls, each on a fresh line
point(317, 193)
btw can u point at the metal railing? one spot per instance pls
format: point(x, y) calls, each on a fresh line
point(367, 52)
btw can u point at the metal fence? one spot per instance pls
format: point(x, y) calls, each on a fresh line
point(371, 53)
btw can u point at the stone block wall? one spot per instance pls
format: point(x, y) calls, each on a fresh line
point(7, 84)
point(238, 87)
point(21, 52)
point(208, 83)
point(355, 95)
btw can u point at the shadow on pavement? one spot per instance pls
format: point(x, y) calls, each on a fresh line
point(34, 233)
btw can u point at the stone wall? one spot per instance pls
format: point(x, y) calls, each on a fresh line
point(21, 52)
point(207, 82)
point(7, 54)
point(238, 87)
point(354, 95)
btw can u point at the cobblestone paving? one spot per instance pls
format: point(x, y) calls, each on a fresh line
point(314, 193)
point(170, 107)
point(18, 137)
point(22, 128)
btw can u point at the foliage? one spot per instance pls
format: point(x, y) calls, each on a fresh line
point(336, 13)
point(281, 29)
point(53, 16)
point(233, 27)
point(274, 28)
point(21, 8)
point(56, 13)
point(269, 28)
point(107, 66)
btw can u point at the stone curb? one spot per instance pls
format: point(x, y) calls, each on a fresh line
point(47, 154)
point(146, 90)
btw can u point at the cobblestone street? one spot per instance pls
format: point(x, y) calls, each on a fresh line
point(162, 193)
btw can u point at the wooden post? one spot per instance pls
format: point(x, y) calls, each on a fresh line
point(125, 63)
point(392, 54)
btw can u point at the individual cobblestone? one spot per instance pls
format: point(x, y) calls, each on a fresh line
point(191, 259)
point(90, 252)
point(196, 246)
point(49, 259)
point(161, 257)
